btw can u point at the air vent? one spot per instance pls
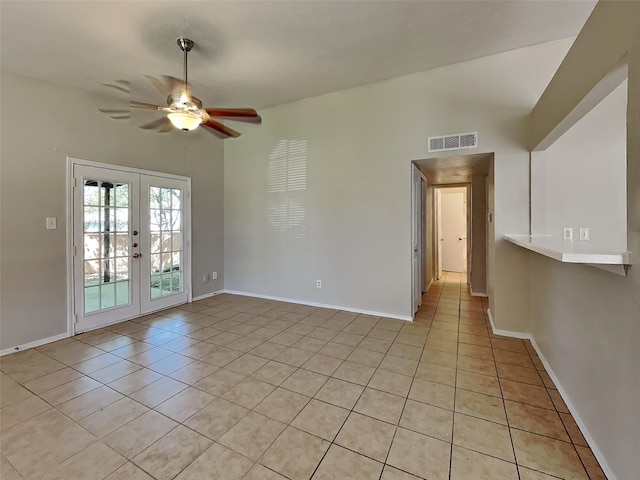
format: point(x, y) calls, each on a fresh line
point(453, 142)
point(436, 143)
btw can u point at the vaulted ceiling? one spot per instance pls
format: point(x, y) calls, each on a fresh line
point(262, 53)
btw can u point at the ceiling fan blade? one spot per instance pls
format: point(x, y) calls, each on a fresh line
point(148, 106)
point(116, 114)
point(160, 86)
point(161, 125)
point(121, 88)
point(110, 111)
point(237, 114)
point(217, 127)
point(175, 85)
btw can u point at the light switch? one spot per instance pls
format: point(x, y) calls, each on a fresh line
point(51, 223)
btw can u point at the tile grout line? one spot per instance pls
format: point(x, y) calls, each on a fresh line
point(504, 404)
point(296, 368)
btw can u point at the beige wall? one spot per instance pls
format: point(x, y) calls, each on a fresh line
point(478, 233)
point(587, 321)
point(580, 180)
point(360, 144)
point(41, 125)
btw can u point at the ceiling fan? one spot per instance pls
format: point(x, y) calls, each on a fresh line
point(183, 110)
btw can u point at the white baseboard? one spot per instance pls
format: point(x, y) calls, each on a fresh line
point(474, 294)
point(207, 295)
point(506, 333)
point(477, 294)
point(576, 416)
point(37, 343)
point(320, 305)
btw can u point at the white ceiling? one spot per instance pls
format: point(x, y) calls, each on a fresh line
point(262, 53)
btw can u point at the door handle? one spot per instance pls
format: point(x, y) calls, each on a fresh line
point(136, 255)
point(462, 238)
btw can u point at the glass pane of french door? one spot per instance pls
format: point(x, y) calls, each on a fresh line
point(163, 269)
point(165, 229)
point(107, 272)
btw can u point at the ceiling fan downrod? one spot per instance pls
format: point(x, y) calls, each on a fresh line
point(185, 45)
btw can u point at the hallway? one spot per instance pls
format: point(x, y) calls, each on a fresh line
point(505, 402)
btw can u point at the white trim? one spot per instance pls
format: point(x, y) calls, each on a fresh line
point(477, 294)
point(320, 305)
point(574, 412)
point(122, 168)
point(207, 295)
point(188, 279)
point(36, 343)
point(69, 253)
point(506, 333)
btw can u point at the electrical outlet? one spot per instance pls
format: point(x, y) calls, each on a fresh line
point(585, 233)
point(567, 234)
point(318, 283)
point(214, 275)
point(205, 278)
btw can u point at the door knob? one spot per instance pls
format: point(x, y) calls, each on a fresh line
point(136, 255)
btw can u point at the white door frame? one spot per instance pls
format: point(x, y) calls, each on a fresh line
point(71, 163)
point(418, 182)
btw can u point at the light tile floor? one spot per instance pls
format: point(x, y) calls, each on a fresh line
point(240, 388)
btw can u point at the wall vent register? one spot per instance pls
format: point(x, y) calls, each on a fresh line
point(453, 142)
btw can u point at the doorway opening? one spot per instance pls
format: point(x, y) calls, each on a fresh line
point(452, 222)
point(452, 218)
point(129, 242)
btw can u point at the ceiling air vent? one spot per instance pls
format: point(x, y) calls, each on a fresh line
point(453, 142)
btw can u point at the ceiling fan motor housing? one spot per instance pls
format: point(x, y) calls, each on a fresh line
point(192, 103)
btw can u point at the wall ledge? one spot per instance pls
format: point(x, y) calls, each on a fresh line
point(572, 251)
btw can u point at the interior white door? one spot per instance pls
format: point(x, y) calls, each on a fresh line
point(453, 234)
point(130, 244)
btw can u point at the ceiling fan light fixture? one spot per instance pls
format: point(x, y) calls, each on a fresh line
point(184, 121)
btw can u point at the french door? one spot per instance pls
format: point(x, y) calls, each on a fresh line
point(130, 244)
